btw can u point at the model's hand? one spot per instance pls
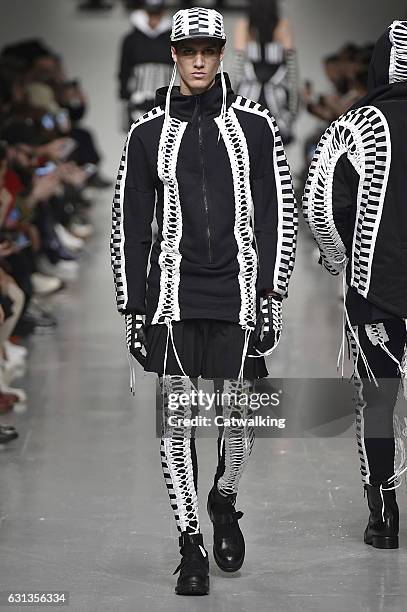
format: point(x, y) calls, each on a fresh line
point(267, 333)
point(136, 336)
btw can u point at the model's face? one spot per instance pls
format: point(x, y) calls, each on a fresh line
point(198, 62)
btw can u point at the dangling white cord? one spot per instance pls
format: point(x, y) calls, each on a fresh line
point(246, 416)
point(223, 109)
point(346, 319)
point(222, 441)
point(381, 494)
point(165, 362)
point(169, 325)
point(170, 334)
point(396, 477)
point(369, 370)
point(392, 357)
point(341, 354)
point(247, 333)
point(254, 233)
point(404, 367)
point(130, 359)
point(168, 96)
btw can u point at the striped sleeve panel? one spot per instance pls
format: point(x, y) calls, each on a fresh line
point(117, 237)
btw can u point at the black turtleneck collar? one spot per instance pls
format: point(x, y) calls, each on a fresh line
point(185, 107)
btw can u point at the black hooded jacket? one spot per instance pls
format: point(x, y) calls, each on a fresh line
point(208, 196)
point(145, 58)
point(355, 200)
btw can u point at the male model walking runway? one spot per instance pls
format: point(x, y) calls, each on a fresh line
point(212, 166)
point(355, 204)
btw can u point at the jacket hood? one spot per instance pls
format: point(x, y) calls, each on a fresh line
point(388, 67)
point(139, 20)
point(183, 107)
point(389, 61)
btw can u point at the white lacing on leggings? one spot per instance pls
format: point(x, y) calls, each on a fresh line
point(237, 440)
point(176, 458)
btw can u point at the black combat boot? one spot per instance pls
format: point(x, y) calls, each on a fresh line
point(194, 567)
point(228, 541)
point(383, 526)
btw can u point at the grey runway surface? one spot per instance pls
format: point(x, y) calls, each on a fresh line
point(83, 504)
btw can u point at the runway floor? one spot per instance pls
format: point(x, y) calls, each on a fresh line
point(83, 504)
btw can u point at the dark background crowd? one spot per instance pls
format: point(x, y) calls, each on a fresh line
point(49, 165)
point(347, 71)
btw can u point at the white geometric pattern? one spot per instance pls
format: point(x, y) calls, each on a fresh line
point(362, 134)
point(287, 207)
point(398, 54)
point(237, 440)
point(238, 153)
point(170, 256)
point(117, 238)
point(196, 22)
point(176, 457)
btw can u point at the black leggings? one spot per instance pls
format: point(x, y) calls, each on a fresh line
point(375, 405)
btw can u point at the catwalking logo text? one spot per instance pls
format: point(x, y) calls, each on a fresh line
point(224, 421)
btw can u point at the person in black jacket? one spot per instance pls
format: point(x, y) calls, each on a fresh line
point(354, 202)
point(212, 167)
point(145, 59)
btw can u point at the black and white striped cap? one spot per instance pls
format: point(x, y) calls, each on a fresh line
point(197, 22)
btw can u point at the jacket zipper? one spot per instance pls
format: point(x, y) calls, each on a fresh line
point(204, 192)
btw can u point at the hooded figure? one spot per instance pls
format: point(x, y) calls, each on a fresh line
point(355, 205)
point(206, 298)
point(145, 60)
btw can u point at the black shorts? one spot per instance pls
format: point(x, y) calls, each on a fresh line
point(206, 347)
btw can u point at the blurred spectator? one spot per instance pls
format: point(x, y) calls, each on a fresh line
point(47, 162)
point(85, 153)
point(347, 71)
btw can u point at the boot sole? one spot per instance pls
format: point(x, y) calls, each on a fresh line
point(383, 542)
point(193, 591)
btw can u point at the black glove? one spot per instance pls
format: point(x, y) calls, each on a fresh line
point(268, 328)
point(136, 336)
